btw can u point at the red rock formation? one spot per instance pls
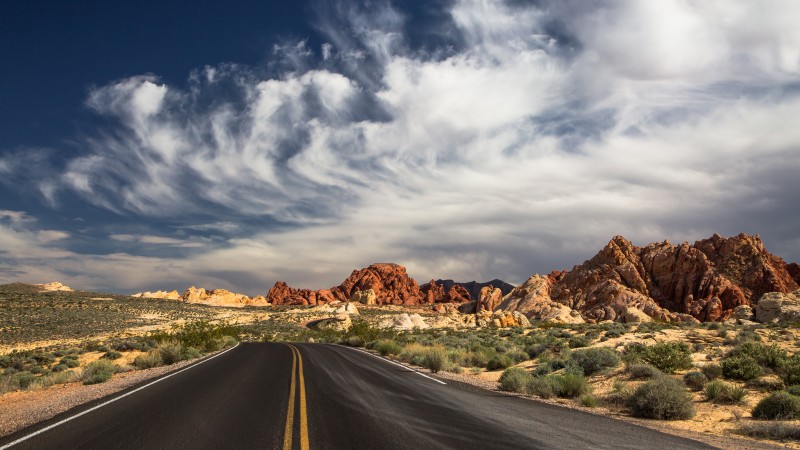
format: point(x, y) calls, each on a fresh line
point(794, 272)
point(390, 282)
point(434, 292)
point(706, 280)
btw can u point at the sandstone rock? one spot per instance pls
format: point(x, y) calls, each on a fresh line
point(218, 297)
point(347, 308)
point(53, 287)
point(407, 321)
point(490, 298)
point(634, 315)
point(742, 312)
point(341, 322)
point(172, 295)
point(366, 297)
point(778, 307)
point(473, 288)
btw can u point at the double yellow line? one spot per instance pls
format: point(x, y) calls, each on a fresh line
point(297, 373)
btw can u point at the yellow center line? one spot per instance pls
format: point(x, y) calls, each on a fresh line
point(297, 372)
point(303, 416)
point(287, 432)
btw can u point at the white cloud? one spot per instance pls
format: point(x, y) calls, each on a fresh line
point(523, 150)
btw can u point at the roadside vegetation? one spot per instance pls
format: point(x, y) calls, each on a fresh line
point(95, 362)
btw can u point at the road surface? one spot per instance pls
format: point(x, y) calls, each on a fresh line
point(316, 396)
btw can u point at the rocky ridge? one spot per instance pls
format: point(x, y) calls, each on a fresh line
point(705, 281)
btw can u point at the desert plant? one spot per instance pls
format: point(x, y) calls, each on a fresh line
point(99, 371)
point(588, 400)
point(665, 356)
point(148, 360)
point(778, 406)
point(619, 396)
point(718, 391)
point(435, 359)
point(770, 430)
point(768, 356)
point(794, 389)
point(641, 371)
point(695, 379)
point(593, 360)
point(572, 385)
point(545, 387)
point(579, 342)
point(499, 362)
point(112, 355)
point(741, 367)
point(514, 379)
point(662, 398)
point(712, 371)
point(171, 352)
point(388, 347)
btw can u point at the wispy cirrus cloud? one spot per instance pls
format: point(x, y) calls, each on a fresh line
point(523, 139)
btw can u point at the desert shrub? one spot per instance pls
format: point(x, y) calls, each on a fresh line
point(572, 385)
point(578, 342)
point(593, 360)
point(99, 371)
point(588, 400)
point(619, 395)
point(747, 335)
point(662, 398)
point(112, 355)
point(695, 379)
point(666, 356)
point(741, 367)
point(354, 341)
point(499, 362)
point(712, 371)
point(641, 371)
point(148, 360)
point(59, 368)
point(778, 406)
point(190, 353)
point(435, 359)
point(791, 370)
point(24, 379)
point(517, 356)
point(55, 378)
point(171, 352)
point(514, 379)
point(545, 387)
point(651, 327)
point(615, 331)
point(718, 391)
point(768, 356)
point(794, 390)
point(388, 347)
point(413, 353)
point(229, 341)
point(203, 335)
point(770, 430)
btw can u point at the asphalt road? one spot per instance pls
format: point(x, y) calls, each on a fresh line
point(300, 396)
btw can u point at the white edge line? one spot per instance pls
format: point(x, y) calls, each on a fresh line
point(50, 427)
point(391, 362)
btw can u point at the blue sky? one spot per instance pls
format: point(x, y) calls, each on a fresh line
point(152, 146)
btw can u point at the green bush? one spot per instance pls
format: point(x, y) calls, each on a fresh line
point(545, 387)
point(741, 367)
point(778, 406)
point(354, 341)
point(499, 362)
point(593, 360)
point(772, 356)
point(695, 379)
point(112, 355)
point(712, 371)
point(60, 368)
point(148, 360)
point(99, 371)
point(514, 379)
point(171, 352)
point(388, 347)
point(666, 356)
point(572, 385)
point(791, 370)
point(24, 379)
point(588, 400)
point(662, 398)
point(794, 390)
point(190, 353)
point(718, 391)
point(579, 342)
point(619, 396)
point(229, 341)
point(642, 371)
point(435, 359)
